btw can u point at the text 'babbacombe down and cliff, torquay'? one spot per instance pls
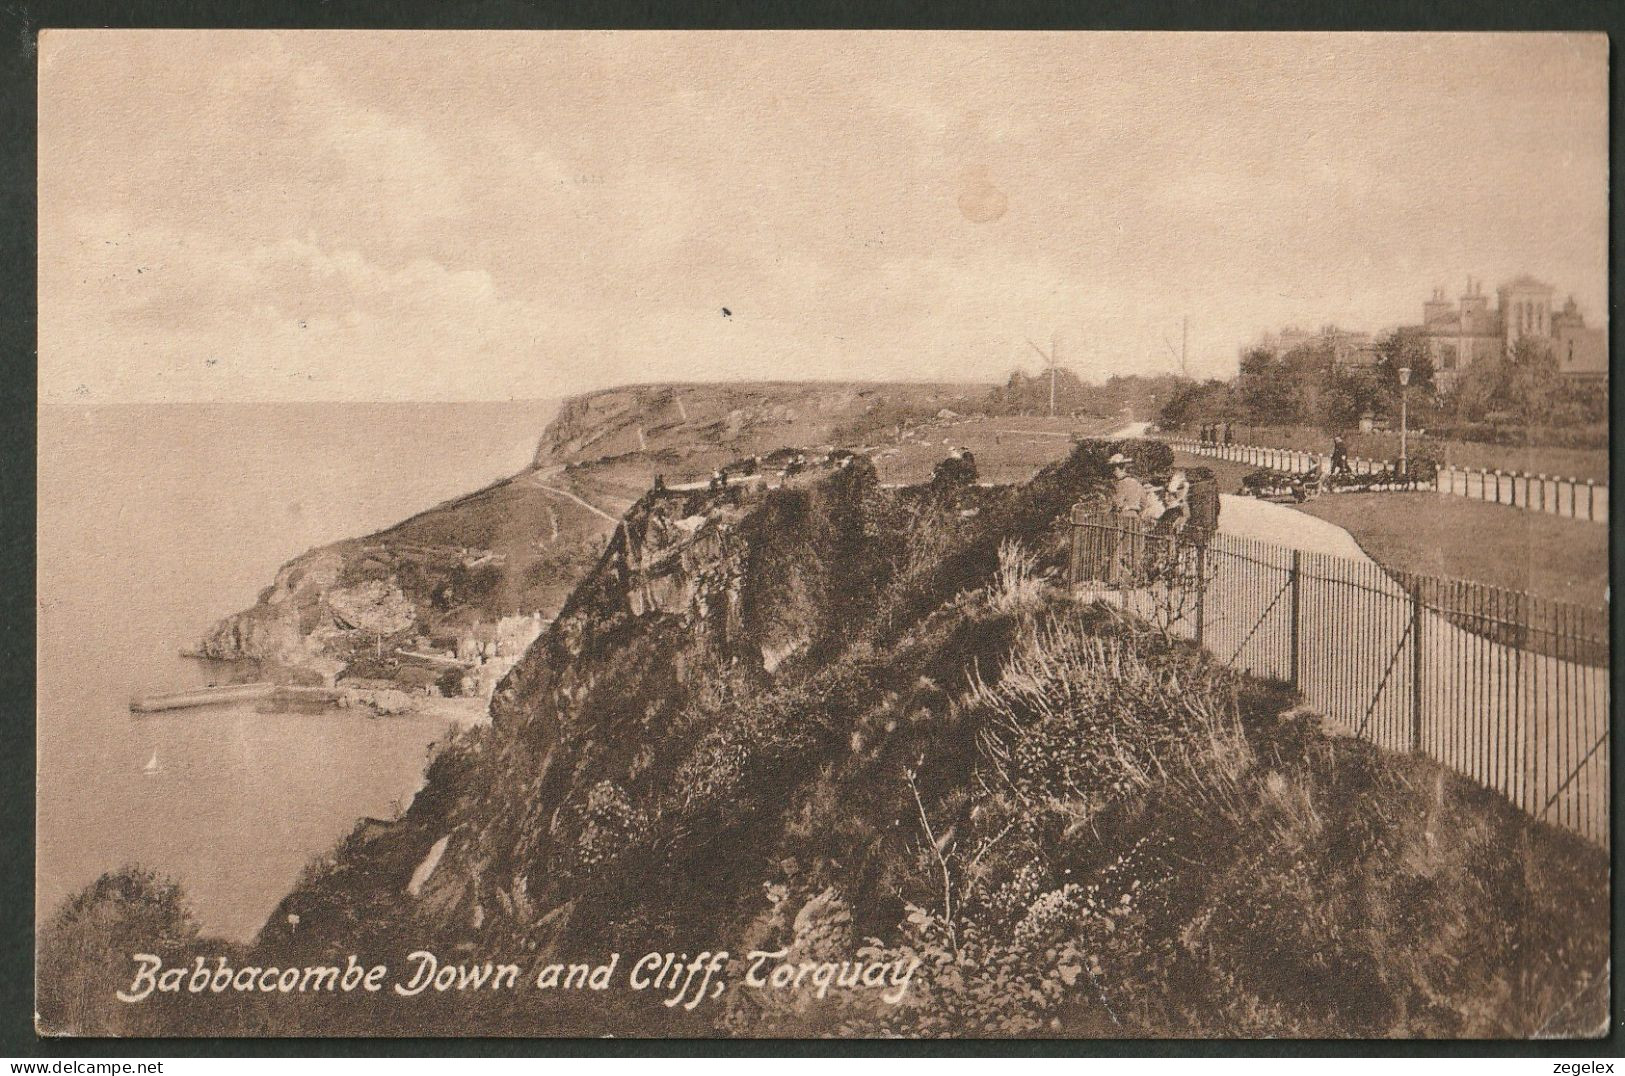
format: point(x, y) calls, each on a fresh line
point(683, 980)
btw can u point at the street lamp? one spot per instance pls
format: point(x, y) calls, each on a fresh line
point(1404, 379)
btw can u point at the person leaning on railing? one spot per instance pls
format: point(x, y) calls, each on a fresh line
point(1176, 509)
point(1131, 506)
point(1167, 526)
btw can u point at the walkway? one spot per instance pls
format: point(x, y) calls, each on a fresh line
point(1515, 720)
point(537, 479)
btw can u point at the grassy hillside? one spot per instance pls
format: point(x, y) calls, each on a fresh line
point(840, 722)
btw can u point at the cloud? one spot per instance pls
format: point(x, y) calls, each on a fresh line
point(184, 315)
point(360, 215)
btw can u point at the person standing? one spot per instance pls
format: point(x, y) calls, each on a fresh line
point(1131, 505)
point(1168, 527)
point(1340, 456)
point(1176, 509)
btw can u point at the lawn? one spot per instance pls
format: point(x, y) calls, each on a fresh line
point(1007, 449)
point(1425, 533)
point(1545, 555)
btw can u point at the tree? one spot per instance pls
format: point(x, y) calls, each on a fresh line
point(1307, 370)
point(1190, 403)
point(1398, 350)
point(1476, 389)
point(1263, 387)
point(1348, 395)
point(84, 952)
point(1404, 349)
point(1526, 383)
point(1533, 387)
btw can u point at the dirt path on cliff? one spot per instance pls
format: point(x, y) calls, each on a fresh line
point(539, 480)
point(1133, 429)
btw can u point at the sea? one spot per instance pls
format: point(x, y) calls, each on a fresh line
point(153, 522)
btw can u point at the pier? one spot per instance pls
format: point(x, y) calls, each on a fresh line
point(203, 696)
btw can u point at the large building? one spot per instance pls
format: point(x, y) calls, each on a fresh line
point(1466, 331)
point(1582, 353)
point(1461, 333)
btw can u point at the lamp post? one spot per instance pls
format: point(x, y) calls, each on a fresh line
point(1404, 379)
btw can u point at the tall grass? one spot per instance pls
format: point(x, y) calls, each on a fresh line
point(1018, 584)
point(1076, 719)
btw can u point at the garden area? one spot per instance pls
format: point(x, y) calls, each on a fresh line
point(1428, 534)
point(1516, 412)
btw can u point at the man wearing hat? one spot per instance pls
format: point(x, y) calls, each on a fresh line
point(1131, 506)
point(1129, 495)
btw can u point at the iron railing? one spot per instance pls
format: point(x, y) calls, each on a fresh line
point(1503, 687)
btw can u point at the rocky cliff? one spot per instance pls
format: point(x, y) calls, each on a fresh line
point(670, 421)
point(832, 722)
point(519, 546)
point(785, 721)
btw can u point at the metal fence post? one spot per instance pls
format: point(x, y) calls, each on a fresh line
point(1201, 591)
point(1591, 499)
point(1076, 553)
point(1416, 666)
point(1297, 616)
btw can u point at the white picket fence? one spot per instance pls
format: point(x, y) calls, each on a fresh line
point(1570, 498)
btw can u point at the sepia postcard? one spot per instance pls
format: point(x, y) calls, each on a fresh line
point(823, 534)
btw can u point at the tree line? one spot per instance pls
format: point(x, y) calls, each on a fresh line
point(1306, 386)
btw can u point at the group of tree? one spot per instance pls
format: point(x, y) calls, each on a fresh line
point(1526, 387)
point(84, 951)
point(1307, 386)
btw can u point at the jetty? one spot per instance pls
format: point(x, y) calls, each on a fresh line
point(202, 696)
point(441, 660)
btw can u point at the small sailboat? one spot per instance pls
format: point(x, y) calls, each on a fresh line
point(153, 765)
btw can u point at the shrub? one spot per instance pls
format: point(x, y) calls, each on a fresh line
point(87, 947)
point(1076, 720)
point(1152, 460)
point(609, 823)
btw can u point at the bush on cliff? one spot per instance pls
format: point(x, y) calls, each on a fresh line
point(85, 950)
point(1153, 848)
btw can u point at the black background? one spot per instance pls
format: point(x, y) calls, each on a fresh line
point(19, 26)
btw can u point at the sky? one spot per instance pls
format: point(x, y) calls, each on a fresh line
point(259, 216)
